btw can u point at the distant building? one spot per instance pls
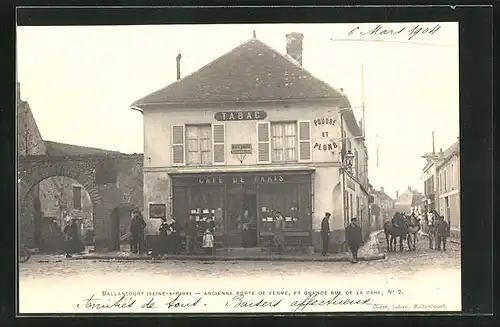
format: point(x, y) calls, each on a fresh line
point(448, 172)
point(385, 206)
point(253, 130)
point(441, 176)
point(409, 201)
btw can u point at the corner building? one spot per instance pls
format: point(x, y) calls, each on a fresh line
point(254, 131)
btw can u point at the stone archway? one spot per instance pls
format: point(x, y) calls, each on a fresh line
point(108, 179)
point(35, 170)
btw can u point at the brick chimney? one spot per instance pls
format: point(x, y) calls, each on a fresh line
point(382, 189)
point(294, 46)
point(397, 194)
point(179, 57)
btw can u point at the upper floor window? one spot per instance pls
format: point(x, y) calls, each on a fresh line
point(445, 180)
point(452, 177)
point(199, 144)
point(77, 197)
point(356, 164)
point(284, 141)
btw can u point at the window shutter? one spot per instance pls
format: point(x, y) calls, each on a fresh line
point(219, 147)
point(178, 150)
point(305, 150)
point(263, 142)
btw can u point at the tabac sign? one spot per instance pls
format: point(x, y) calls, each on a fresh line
point(240, 115)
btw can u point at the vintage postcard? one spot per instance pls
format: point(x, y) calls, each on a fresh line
point(285, 168)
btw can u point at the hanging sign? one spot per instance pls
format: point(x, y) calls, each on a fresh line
point(240, 115)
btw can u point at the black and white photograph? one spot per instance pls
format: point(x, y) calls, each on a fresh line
point(241, 168)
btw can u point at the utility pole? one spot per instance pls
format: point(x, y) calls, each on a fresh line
point(363, 100)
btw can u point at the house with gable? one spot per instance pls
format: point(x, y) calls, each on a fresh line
point(448, 173)
point(249, 135)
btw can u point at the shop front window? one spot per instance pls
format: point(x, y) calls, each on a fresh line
point(206, 204)
point(291, 200)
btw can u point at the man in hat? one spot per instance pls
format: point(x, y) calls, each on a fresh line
point(325, 233)
point(354, 238)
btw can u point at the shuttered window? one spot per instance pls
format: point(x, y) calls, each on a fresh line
point(305, 150)
point(178, 152)
point(356, 164)
point(219, 148)
point(199, 144)
point(264, 144)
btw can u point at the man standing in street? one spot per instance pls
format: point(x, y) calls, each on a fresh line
point(325, 233)
point(191, 234)
point(354, 238)
point(443, 231)
point(137, 225)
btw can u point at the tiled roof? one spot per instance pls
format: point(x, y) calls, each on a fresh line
point(63, 149)
point(383, 196)
point(252, 71)
point(448, 153)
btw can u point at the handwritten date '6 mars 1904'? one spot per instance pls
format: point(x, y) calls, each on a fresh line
point(410, 31)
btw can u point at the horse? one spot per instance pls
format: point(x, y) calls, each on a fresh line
point(394, 229)
point(413, 227)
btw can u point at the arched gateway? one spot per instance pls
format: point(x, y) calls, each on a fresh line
point(110, 180)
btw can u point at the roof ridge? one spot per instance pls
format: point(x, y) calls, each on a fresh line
point(81, 146)
point(137, 102)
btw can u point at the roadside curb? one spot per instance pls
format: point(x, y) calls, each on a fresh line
point(229, 258)
point(381, 255)
point(379, 246)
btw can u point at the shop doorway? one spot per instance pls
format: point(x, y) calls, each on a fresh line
point(250, 231)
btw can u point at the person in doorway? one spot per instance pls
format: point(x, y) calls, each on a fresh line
point(174, 242)
point(354, 238)
point(244, 223)
point(191, 233)
point(162, 246)
point(279, 233)
point(137, 225)
point(443, 232)
point(73, 242)
point(208, 242)
point(325, 233)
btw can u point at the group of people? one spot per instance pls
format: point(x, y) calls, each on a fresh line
point(170, 239)
point(437, 230)
point(353, 236)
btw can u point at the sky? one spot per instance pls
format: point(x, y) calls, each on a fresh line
point(81, 80)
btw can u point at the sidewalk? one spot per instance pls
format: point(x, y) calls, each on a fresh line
point(368, 252)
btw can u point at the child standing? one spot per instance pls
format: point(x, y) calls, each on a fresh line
point(208, 242)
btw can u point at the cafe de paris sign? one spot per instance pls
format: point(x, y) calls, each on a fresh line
point(240, 115)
